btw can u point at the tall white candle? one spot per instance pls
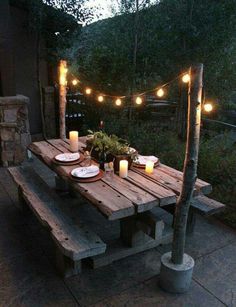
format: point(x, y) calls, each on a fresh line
point(149, 167)
point(123, 170)
point(74, 141)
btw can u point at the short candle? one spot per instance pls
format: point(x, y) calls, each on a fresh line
point(149, 167)
point(123, 171)
point(74, 141)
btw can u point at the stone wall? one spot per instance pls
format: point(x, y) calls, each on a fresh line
point(14, 129)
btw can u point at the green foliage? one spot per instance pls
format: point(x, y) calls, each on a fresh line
point(110, 144)
point(172, 35)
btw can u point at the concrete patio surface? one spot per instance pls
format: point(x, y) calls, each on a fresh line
point(28, 276)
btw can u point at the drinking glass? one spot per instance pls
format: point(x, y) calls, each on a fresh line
point(87, 158)
point(109, 170)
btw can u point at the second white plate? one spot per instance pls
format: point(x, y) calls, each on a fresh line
point(85, 172)
point(68, 157)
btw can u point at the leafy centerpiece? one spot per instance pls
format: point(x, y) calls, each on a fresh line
point(107, 148)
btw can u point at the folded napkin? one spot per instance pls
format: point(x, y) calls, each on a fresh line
point(143, 159)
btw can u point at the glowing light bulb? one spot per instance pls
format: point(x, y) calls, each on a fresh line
point(160, 92)
point(208, 107)
point(118, 102)
point(186, 78)
point(75, 82)
point(88, 91)
point(100, 98)
point(138, 100)
point(63, 80)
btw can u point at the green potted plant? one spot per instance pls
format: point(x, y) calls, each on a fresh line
point(112, 148)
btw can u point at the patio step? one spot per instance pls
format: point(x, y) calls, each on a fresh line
point(73, 242)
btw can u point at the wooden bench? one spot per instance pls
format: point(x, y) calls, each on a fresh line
point(200, 204)
point(72, 242)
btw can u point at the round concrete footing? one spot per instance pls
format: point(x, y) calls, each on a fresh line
point(176, 278)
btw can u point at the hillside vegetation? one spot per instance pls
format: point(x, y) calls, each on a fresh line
point(171, 35)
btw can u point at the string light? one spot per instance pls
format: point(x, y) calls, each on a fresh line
point(100, 98)
point(88, 91)
point(138, 100)
point(186, 78)
point(160, 92)
point(208, 107)
point(118, 102)
point(75, 82)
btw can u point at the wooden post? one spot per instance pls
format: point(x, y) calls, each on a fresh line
point(62, 72)
point(190, 163)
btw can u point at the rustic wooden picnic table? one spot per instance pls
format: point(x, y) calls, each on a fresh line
point(129, 200)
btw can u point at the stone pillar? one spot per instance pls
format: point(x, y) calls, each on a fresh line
point(49, 111)
point(14, 129)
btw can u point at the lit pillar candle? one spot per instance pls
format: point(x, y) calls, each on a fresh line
point(123, 171)
point(149, 167)
point(74, 141)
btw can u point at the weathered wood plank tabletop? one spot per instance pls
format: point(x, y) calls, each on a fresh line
point(118, 198)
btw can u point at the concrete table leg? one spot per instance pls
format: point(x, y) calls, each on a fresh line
point(130, 234)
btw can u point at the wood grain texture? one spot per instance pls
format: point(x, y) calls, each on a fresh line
point(109, 202)
point(201, 185)
point(73, 241)
point(164, 196)
point(140, 198)
point(163, 179)
point(64, 146)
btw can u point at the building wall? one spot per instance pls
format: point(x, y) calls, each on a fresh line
point(25, 54)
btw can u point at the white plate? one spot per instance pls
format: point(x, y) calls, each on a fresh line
point(85, 172)
point(143, 159)
point(68, 157)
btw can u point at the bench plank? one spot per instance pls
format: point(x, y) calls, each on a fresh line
point(206, 206)
point(73, 241)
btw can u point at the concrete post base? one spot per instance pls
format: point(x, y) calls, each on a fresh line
point(176, 278)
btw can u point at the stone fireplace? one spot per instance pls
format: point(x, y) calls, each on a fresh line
point(14, 129)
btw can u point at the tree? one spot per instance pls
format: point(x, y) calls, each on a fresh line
point(76, 8)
